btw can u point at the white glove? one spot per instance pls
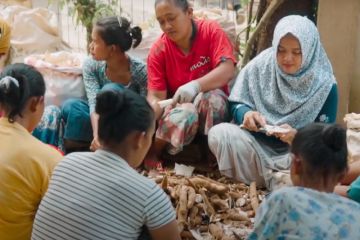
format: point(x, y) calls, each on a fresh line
point(187, 92)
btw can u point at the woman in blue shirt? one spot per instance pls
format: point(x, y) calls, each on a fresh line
point(108, 68)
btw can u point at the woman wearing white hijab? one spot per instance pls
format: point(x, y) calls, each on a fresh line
point(290, 85)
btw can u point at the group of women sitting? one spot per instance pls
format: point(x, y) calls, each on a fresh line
point(99, 195)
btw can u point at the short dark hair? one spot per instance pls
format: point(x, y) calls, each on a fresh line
point(13, 97)
point(183, 4)
point(323, 147)
point(117, 31)
point(120, 113)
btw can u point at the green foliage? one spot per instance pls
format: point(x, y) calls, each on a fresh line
point(244, 2)
point(86, 12)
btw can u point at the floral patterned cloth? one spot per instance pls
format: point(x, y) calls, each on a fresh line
point(50, 129)
point(179, 125)
point(303, 213)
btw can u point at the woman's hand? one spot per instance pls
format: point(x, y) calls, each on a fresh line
point(95, 144)
point(253, 120)
point(157, 109)
point(153, 98)
point(187, 92)
point(287, 137)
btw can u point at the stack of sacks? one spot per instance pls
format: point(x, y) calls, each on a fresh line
point(25, 3)
point(224, 17)
point(34, 31)
point(62, 72)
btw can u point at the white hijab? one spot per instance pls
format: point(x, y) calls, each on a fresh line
point(295, 99)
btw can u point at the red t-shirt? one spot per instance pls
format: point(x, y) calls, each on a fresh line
point(169, 68)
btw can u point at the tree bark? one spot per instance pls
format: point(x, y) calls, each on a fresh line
point(263, 34)
point(289, 7)
point(264, 19)
point(249, 20)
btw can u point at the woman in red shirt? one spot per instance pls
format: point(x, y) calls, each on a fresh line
point(192, 63)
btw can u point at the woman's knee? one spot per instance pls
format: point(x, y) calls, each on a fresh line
point(70, 104)
point(227, 135)
point(55, 110)
point(215, 100)
point(218, 134)
point(112, 86)
point(74, 105)
point(178, 125)
point(183, 115)
point(212, 107)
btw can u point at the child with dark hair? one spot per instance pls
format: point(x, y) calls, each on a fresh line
point(108, 68)
point(100, 195)
point(310, 209)
point(25, 163)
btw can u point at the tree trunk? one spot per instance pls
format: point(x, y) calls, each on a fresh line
point(88, 37)
point(289, 7)
point(274, 4)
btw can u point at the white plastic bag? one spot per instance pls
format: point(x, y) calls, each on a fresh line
point(34, 31)
point(223, 17)
point(25, 3)
point(62, 72)
point(352, 121)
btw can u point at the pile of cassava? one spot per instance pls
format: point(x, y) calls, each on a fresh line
point(210, 207)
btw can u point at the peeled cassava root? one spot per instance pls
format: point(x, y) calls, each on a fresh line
point(211, 207)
